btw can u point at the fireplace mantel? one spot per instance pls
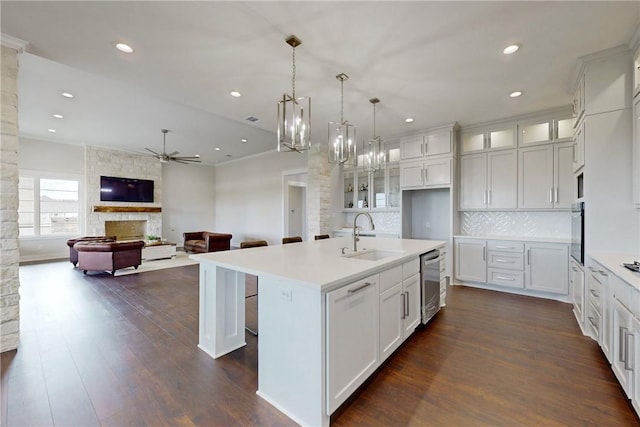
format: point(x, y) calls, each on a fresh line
point(126, 209)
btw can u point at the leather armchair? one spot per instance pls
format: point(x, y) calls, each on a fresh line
point(204, 241)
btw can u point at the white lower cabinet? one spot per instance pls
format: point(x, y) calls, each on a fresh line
point(576, 279)
point(546, 268)
point(471, 260)
point(399, 306)
point(352, 338)
point(623, 347)
point(540, 267)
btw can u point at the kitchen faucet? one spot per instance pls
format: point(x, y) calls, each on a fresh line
point(355, 228)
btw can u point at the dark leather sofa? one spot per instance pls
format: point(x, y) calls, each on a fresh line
point(108, 256)
point(73, 254)
point(204, 241)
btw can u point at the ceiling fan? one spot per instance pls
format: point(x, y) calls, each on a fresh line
point(165, 157)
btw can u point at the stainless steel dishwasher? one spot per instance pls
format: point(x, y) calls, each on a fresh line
point(429, 284)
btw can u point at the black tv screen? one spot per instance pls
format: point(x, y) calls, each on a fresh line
point(114, 189)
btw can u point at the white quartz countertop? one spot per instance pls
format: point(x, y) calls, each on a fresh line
point(518, 238)
point(319, 262)
point(613, 262)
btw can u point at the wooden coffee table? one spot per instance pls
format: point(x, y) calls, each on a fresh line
point(158, 250)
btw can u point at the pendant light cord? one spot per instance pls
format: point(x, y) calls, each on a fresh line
point(341, 101)
point(293, 79)
point(374, 120)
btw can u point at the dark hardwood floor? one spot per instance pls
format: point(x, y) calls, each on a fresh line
point(120, 351)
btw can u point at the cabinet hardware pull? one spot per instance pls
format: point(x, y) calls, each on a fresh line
point(504, 247)
point(404, 305)
point(603, 273)
point(426, 148)
point(551, 129)
point(488, 198)
point(528, 256)
point(484, 253)
point(504, 278)
point(574, 268)
point(622, 352)
point(504, 261)
point(627, 356)
point(484, 198)
point(555, 196)
point(551, 195)
point(359, 288)
point(595, 294)
point(592, 269)
point(593, 323)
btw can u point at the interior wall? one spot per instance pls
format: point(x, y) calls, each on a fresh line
point(54, 158)
point(189, 202)
point(249, 196)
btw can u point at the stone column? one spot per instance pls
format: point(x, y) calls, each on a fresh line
point(9, 252)
point(318, 191)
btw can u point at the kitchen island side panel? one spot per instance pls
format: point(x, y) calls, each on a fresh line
point(291, 355)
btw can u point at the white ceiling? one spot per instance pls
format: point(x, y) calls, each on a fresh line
point(438, 62)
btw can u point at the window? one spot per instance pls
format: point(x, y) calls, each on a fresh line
point(48, 206)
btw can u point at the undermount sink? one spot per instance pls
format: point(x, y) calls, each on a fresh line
point(373, 255)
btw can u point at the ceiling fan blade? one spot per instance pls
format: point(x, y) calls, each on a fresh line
point(186, 159)
point(179, 161)
point(173, 154)
point(154, 153)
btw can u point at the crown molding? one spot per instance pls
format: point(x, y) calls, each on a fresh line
point(13, 42)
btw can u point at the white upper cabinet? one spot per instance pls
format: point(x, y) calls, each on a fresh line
point(426, 173)
point(491, 139)
point(636, 151)
point(435, 143)
point(578, 148)
point(545, 177)
point(544, 131)
point(636, 72)
point(489, 180)
point(579, 101)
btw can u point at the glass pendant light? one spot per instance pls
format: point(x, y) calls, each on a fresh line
point(342, 135)
point(294, 114)
point(374, 156)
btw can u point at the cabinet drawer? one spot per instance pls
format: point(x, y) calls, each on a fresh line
point(593, 320)
point(505, 246)
point(622, 291)
point(391, 277)
point(508, 260)
point(410, 268)
point(498, 276)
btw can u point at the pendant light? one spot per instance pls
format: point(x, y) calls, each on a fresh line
point(342, 135)
point(374, 156)
point(294, 113)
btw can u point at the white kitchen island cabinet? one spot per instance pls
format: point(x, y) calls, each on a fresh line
point(318, 311)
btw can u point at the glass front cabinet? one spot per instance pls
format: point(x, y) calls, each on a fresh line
point(379, 190)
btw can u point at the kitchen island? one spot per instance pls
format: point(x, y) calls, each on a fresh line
point(322, 326)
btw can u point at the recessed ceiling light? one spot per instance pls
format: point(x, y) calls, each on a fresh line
point(67, 94)
point(243, 140)
point(235, 94)
point(408, 120)
point(511, 49)
point(52, 130)
point(515, 94)
point(123, 47)
point(58, 116)
point(197, 155)
point(218, 148)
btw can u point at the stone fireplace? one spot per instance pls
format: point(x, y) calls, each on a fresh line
point(126, 230)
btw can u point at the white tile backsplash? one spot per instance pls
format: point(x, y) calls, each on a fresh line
point(518, 223)
point(384, 221)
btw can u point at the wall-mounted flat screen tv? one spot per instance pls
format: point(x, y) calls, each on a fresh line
point(114, 189)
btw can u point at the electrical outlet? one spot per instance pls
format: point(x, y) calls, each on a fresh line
point(286, 294)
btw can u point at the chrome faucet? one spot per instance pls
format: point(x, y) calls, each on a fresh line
point(355, 228)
